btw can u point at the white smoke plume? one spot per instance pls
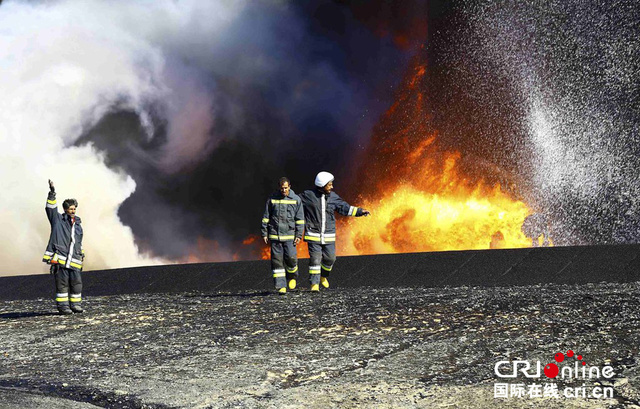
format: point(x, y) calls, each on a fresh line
point(64, 65)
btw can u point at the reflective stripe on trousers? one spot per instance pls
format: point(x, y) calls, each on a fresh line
point(322, 257)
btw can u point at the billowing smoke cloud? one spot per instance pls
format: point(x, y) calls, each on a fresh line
point(170, 121)
point(65, 66)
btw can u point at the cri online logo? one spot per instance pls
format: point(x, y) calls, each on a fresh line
point(551, 370)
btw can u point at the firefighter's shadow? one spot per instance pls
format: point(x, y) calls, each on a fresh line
point(20, 315)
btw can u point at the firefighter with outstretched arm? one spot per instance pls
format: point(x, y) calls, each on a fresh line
point(320, 205)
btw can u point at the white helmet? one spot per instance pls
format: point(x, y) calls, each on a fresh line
point(323, 178)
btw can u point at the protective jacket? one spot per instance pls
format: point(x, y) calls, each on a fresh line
point(283, 218)
point(319, 213)
point(65, 242)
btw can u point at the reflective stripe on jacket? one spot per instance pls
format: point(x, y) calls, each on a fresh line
point(283, 218)
point(65, 240)
point(319, 213)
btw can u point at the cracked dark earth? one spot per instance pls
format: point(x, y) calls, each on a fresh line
point(342, 348)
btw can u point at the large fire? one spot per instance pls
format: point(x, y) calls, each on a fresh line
point(419, 198)
point(438, 211)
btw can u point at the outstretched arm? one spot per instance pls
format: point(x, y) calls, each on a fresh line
point(346, 209)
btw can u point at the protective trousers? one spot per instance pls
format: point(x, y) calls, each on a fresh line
point(321, 260)
point(284, 262)
point(68, 286)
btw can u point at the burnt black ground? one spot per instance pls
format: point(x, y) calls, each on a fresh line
point(484, 268)
point(410, 330)
point(365, 347)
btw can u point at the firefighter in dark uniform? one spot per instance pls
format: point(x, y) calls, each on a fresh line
point(320, 206)
point(64, 253)
point(282, 225)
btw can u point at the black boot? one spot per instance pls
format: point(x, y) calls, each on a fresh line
point(76, 307)
point(64, 309)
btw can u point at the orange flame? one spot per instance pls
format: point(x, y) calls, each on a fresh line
point(421, 200)
point(258, 247)
point(249, 240)
point(445, 215)
point(266, 253)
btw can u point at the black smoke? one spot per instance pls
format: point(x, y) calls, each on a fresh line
point(296, 89)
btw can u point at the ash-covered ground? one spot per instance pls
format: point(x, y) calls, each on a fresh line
point(342, 348)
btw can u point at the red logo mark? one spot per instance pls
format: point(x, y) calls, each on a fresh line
point(551, 370)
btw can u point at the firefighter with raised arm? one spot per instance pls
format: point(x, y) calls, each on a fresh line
point(282, 225)
point(320, 205)
point(64, 253)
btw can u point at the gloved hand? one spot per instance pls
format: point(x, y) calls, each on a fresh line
point(51, 188)
point(365, 212)
point(266, 240)
point(296, 241)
